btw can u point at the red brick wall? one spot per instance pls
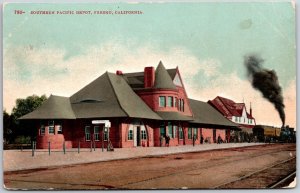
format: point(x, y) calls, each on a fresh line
point(56, 140)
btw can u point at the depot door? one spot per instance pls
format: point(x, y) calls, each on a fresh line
point(137, 135)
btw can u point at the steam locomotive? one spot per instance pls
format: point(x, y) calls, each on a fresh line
point(265, 133)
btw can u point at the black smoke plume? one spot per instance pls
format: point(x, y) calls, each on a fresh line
point(266, 81)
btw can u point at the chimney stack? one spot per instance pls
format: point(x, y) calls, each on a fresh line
point(119, 72)
point(149, 77)
point(250, 110)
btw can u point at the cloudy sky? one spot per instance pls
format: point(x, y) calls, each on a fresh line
point(59, 54)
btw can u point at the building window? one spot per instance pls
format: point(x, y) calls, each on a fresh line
point(170, 130)
point(239, 119)
point(170, 101)
point(196, 132)
point(236, 119)
point(189, 133)
point(59, 129)
point(42, 130)
point(174, 131)
point(162, 101)
point(105, 134)
point(51, 127)
point(162, 131)
point(144, 134)
point(96, 133)
point(130, 134)
point(87, 131)
point(179, 104)
point(175, 102)
point(180, 133)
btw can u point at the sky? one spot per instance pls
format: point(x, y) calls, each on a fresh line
point(60, 54)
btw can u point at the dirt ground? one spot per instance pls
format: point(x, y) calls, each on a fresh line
point(199, 170)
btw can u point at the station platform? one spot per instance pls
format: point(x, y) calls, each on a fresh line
point(14, 160)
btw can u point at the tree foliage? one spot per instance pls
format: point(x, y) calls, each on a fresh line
point(12, 125)
point(24, 106)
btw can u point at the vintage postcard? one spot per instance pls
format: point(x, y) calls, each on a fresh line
point(149, 95)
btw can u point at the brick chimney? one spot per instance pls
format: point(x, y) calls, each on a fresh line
point(119, 72)
point(149, 77)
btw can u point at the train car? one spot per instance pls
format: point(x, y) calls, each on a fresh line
point(265, 133)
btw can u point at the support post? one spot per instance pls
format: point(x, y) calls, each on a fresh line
point(32, 148)
point(49, 147)
point(102, 139)
point(78, 146)
point(64, 147)
point(94, 145)
point(34, 145)
point(108, 148)
point(91, 146)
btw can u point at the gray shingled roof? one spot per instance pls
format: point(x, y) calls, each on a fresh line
point(162, 78)
point(130, 102)
point(207, 115)
point(97, 99)
point(55, 107)
point(174, 116)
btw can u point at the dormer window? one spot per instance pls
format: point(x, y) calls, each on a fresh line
point(162, 101)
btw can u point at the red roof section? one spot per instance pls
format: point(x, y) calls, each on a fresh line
point(228, 107)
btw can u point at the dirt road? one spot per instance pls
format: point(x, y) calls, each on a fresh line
point(190, 170)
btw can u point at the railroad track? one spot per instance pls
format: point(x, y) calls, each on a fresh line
point(274, 176)
point(197, 167)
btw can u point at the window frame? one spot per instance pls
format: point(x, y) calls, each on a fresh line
point(170, 101)
point(130, 134)
point(87, 134)
point(175, 131)
point(175, 102)
point(190, 131)
point(160, 101)
point(96, 134)
point(143, 134)
point(51, 126)
point(59, 129)
point(162, 128)
point(42, 128)
point(105, 136)
point(181, 134)
point(195, 132)
point(170, 130)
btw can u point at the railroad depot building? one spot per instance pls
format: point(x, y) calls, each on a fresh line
point(142, 108)
point(236, 112)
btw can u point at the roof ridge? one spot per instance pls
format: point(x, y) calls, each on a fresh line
point(115, 93)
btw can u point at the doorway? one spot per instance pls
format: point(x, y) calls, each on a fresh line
point(138, 136)
point(214, 136)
